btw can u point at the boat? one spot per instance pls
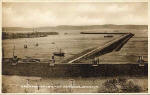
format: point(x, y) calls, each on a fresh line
point(29, 59)
point(53, 42)
point(35, 30)
point(60, 53)
point(25, 46)
point(65, 33)
point(108, 36)
point(42, 35)
point(36, 44)
point(14, 59)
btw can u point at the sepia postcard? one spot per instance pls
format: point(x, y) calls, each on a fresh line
point(74, 47)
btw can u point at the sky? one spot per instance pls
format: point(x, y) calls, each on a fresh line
point(35, 14)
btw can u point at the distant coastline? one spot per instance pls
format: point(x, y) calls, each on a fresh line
point(81, 27)
point(6, 35)
point(17, 32)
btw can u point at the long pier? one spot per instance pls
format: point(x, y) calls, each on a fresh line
point(114, 45)
point(101, 33)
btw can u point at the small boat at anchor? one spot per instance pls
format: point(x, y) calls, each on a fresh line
point(108, 36)
point(60, 53)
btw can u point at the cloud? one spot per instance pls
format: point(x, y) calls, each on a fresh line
point(53, 14)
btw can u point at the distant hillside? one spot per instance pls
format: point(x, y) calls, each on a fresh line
point(109, 26)
point(16, 29)
point(69, 27)
point(6, 35)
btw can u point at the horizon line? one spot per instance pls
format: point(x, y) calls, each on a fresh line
point(79, 25)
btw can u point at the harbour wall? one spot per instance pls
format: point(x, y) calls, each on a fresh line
point(74, 70)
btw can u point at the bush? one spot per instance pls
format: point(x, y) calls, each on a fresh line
point(119, 85)
point(131, 87)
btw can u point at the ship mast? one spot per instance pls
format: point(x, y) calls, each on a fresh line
point(60, 50)
point(14, 51)
point(36, 36)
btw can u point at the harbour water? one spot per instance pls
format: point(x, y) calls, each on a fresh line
point(74, 43)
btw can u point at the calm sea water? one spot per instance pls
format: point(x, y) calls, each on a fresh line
point(72, 44)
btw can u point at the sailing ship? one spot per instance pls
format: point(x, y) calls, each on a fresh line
point(15, 58)
point(36, 44)
point(60, 53)
point(25, 46)
point(36, 36)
